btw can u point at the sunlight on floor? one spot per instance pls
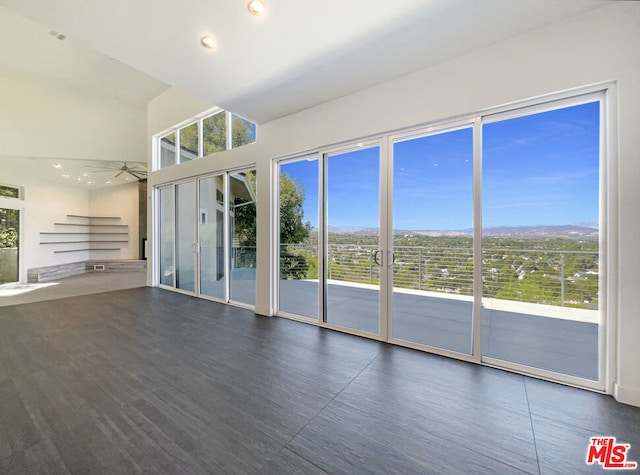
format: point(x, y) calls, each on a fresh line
point(8, 290)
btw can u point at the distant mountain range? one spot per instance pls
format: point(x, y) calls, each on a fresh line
point(543, 230)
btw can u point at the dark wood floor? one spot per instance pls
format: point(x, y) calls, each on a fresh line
point(150, 381)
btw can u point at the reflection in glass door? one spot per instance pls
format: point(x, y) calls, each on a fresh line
point(211, 236)
point(432, 298)
point(242, 211)
point(352, 250)
point(9, 245)
point(185, 233)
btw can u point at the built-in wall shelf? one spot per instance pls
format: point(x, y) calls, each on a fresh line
point(90, 232)
point(79, 242)
point(89, 224)
point(92, 249)
point(111, 233)
point(92, 217)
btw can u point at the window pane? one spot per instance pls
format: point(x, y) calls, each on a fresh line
point(185, 236)
point(214, 131)
point(299, 238)
point(9, 244)
point(242, 187)
point(243, 131)
point(168, 150)
point(540, 240)
point(189, 143)
point(9, 191)
point(353, 239)
point(433, 240)
point(211, 236)
point(167, 213)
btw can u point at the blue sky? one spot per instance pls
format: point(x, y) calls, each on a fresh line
point(537, 169)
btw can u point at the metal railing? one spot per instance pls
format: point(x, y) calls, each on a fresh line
point(553, 277)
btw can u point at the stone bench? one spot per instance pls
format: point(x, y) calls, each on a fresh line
point(60, 271)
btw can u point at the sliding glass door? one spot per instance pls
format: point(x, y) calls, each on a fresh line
point(9, 245)
point(479, 240)
point(352, 235)
point(206, 237)
point(299, 286)
point(211, 236)
point(540, 240)
point(242, 219)
point(185, 229)
point(432, 299)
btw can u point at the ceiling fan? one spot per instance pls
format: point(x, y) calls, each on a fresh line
point(134, 171)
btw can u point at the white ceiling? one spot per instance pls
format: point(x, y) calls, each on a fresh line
point(299, 54)
point(71, 173)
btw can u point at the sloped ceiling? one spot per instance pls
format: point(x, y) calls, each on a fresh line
point(297, 55)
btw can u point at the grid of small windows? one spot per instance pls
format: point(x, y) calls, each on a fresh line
point(210, 134)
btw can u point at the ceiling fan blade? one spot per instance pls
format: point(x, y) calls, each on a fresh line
point(102, 167)
point(119, 174)
point(137, 175)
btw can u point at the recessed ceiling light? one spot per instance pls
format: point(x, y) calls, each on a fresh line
point(89, 183)
point(108, 182)
point(85, 174)
point(78, 179)
point(208, 41)
point(57, 165)
point(65, 175)
point(256, 7)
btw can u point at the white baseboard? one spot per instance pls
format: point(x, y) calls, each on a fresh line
point(626, 395)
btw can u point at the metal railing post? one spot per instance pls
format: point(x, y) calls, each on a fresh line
point(562, 279)
point(419, 268)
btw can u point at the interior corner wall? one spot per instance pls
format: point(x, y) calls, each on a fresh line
point(43, 205)
point(595, 47)
point(118, 201)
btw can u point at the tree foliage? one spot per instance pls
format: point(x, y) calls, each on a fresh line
point(8, 238)
point(294, 263)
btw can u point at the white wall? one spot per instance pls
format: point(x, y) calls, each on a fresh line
point(43, 119)
point(598, 46)
point(120, 201)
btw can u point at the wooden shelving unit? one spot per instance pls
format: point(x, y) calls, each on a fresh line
point(92, 229)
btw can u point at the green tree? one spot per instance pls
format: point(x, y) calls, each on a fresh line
point(214, 132)
point(8, 238)
point(242, 131)
point(294, 261)
point(292, 228)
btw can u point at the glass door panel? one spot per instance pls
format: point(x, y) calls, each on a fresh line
point(353, 256)
point(432, 298)
point(242, 208)
point(9, 245)
point(211, 236)
point(167, 242)
point(185, 237)
point(540, 240)
point(299, 285)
